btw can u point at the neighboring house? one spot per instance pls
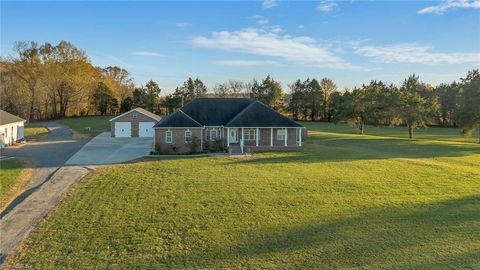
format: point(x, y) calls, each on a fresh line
point(235, 123)
point(134, 123)
point(11, 128)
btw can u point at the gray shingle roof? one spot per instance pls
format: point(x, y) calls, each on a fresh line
point(8, 118)
point(177, 119)
point(215, 111)
point(259, 115)
point(228, 112)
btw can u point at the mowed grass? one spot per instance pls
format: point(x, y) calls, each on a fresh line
point(90, 126)
point(11, 179)
point(429, 133)
point(35, 131)
point(345, 201)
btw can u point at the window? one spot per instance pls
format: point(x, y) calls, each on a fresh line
point(250, 134)
point(188, 136)
point(280, 134)
point(168, 137)
point(212, 134)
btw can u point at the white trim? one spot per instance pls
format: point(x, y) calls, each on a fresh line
point(256, 137)
point(271, 136)
point(286, 136)
point(132, 110)
point(176, 127)
point(185, 136)
point(299, 137)
point(228, 137)
point(171, 136)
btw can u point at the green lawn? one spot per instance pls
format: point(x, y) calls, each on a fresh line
point(345, 201)
point(10, 179)
point(90, 126)
point(430, 133)
point(35, 131)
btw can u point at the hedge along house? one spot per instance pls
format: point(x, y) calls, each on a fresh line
point(134, 123)
point(238, 124)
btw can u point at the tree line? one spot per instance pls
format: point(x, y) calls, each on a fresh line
point(53, 81)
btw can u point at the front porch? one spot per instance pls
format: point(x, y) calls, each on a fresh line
point(245, 139)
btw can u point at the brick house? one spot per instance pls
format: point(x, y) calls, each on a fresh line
point(236, 124)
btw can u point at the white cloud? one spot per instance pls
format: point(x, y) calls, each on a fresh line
point(181, 24)
point(300, 50)
point(326, 6)
point(414, 54)
point(269, 3)
point(146, 53)
point(450, 4)
point(262, 21)
point(300, 26)
point(243, 63)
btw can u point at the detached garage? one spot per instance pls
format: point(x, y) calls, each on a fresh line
point(135, 123)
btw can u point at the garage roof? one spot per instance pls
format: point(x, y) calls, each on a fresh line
point(142, 111)
point(8, 118)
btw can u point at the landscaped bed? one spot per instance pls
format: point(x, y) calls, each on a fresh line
point(33, 131)
point(344, 201)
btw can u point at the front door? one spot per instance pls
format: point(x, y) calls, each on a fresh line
point(233, 135)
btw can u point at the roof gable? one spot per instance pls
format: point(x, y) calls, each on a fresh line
point(259, 115)
point(177, 119)
point(8, 118)
point(215, 111)
point(142, 111)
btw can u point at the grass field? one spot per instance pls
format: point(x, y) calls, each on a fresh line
point(35, 132)
point(344, 201)
point(12, 177)
point(90, 126)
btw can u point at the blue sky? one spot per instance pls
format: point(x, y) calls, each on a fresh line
point(351, 42)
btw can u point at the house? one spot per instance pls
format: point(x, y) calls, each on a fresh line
point(11, 128)
point(237, 124)
point(134, 123)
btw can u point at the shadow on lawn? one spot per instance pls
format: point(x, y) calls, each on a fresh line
point(331, 149)
point(414, 236)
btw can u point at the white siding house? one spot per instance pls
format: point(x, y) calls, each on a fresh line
point(11, 128)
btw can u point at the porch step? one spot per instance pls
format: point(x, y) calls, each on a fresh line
point(234, 149)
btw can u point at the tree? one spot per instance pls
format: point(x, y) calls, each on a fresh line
point(103, 99)
point(119, 80)
point(448, 95)
point(269, 92)
point(152, 91)
point(358, 107)
point(27, 67)
point(469, 111)
point(415, 104)
point(327, 88)
point(221, 90)
point(296, 103)
point(313, 98)
point(139, 97)
point(126, 105)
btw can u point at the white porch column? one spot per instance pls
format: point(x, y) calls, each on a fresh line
point(256, 137)
point(300, 137)
point(271, 136)
point(286, 135)
point(243, 136)
point(228, 137)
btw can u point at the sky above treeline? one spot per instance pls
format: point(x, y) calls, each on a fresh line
point(351, 42)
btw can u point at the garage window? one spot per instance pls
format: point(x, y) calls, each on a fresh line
point(168, 137)
point(188, 136)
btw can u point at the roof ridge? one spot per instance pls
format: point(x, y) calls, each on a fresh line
point(264, 105)
point(189, 117)
point(241, 112)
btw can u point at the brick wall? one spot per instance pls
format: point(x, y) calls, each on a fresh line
point(129, 117)
point(178, 144)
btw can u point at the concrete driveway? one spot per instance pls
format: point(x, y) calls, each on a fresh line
point(104, 149)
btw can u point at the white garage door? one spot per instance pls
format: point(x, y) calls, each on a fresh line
point(123, 129)
point(145, 129)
